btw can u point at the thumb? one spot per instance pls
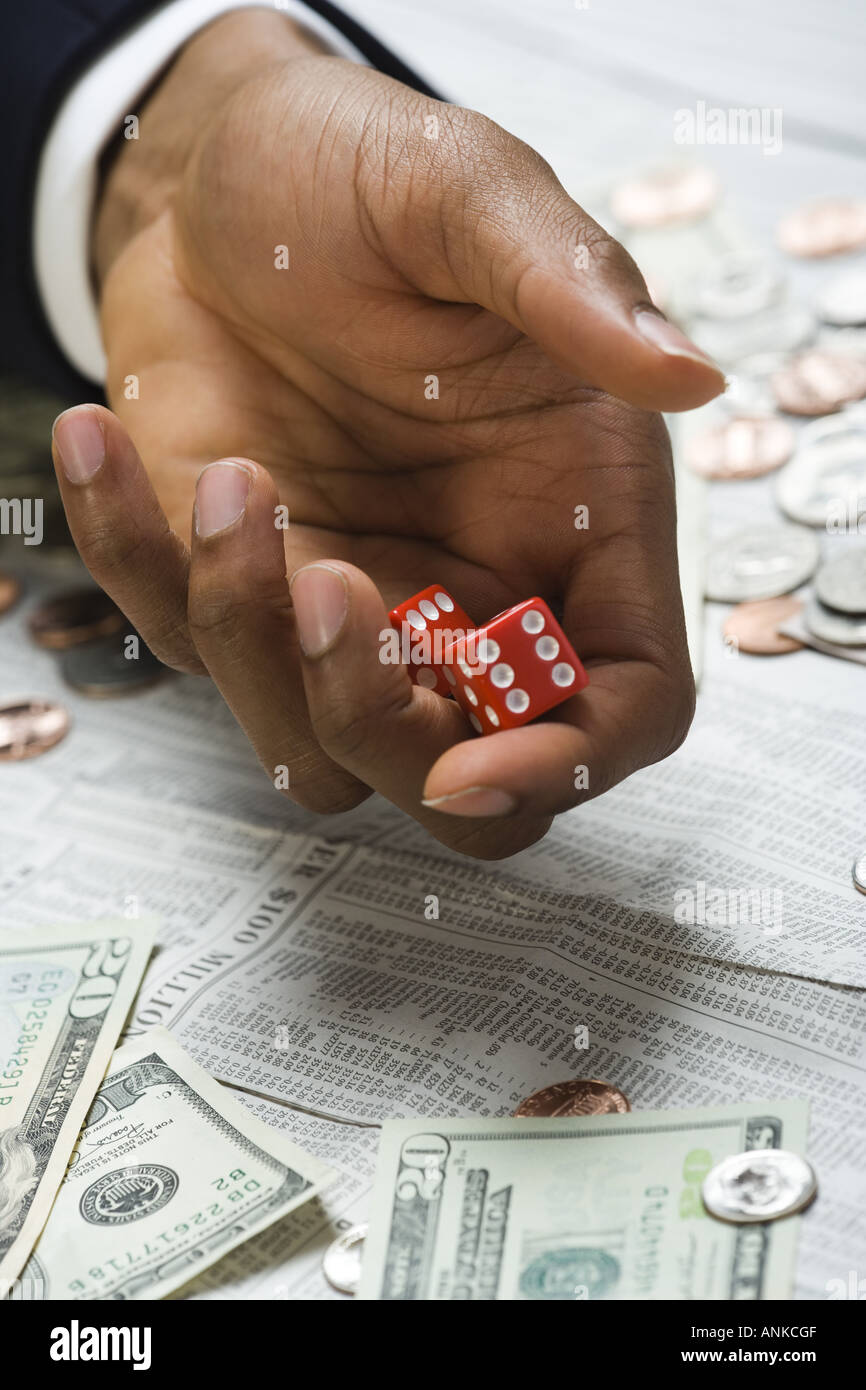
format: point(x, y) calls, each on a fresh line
point(492, 225)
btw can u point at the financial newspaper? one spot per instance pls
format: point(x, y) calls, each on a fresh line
point(352, 968)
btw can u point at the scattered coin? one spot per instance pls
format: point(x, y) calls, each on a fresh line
point(851, 341)
point(825, 482)
point(841, 629)
point(102, 669)
point(781, 328)
point(747, 390)
point(30, 727)
point(760, 562)
point(858, 872)
point(818, 382)
point(741, 448)
point(842, 300)
point(679, 193)
point(841, 583)
point(741, 284)
point(759, 1185)
point(10, 591)
point(754, 627)
point(575, 1097)
point(74, 618)
point(825, 227)
point(341, 1262)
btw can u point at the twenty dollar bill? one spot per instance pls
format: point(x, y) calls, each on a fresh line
point(596, 1207)
point(170, 1173)
point(64, 995)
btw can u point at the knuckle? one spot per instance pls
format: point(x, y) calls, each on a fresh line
point(350, 726)
point(108, 549)
point(211, 612)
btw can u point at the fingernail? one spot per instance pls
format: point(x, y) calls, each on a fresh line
point(79, 443)
point(666, 336)
point(320, 595)
point(474, 801)
point(220, 496)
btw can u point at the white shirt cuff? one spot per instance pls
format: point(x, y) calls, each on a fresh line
point(67, 176)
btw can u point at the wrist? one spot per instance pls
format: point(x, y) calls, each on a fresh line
point(141, 176)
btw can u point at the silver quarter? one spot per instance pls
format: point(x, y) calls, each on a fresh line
point(858, 872)
point(759, 1185)
point(842, 300)
point(780, 328)
point(741, 284)
point(760, 562)
point(841, 629)
point(341, 1262)
point(841, 583)
point(825, 482)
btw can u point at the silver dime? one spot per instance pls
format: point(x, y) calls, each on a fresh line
point(842, 300)
point(760, 562)
point(858, 872)
point(341, 1262)
point(825, 482)
point(842, 629)
point(742, 284)
point(759, 1185)
point(841, 583)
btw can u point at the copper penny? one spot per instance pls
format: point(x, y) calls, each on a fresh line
point(818, 383)
point(741, 448)
point(677, 194)
point(753, 627)
point(573, 1098)
point(74, 618)
point(10, 590)
point(30, 727)
point(824, 228)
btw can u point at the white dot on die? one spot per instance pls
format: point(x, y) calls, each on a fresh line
point(502, 675)
point(467, 671)
point(426, 678)
point(449, 676)
point(547, 648)
point(488, 650)
point(492, 715)
point(429, 609)
point(414, 619)
point(517, 700)
point(475, 722)
point(446, 602)
point(532, 621)
point(563, 674)
point(470, 694)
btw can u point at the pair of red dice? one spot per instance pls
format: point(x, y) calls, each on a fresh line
point(503, 674)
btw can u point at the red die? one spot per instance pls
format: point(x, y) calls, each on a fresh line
point(513, 668)
point(428, 624)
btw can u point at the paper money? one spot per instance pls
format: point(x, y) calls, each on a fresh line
point(64, 995)
point(169, 1174)
point(595, 1207)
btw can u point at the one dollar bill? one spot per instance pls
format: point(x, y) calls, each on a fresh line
point(169, 1174)
point(64, 995)
point(596, 1207)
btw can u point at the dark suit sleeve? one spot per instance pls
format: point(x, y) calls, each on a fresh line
point(46, 45)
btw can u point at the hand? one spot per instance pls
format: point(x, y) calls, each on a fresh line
point(409, 258)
